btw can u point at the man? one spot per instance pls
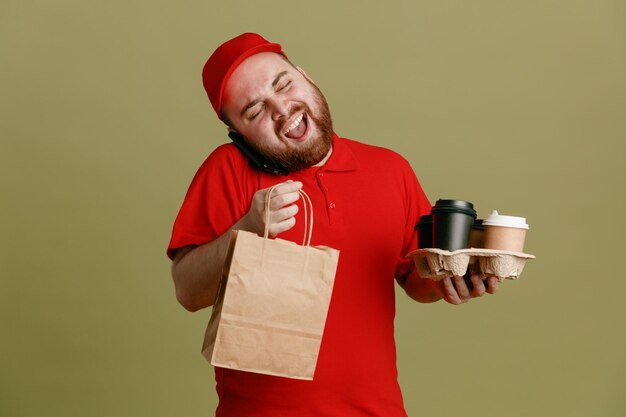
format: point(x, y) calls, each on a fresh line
point(366, 202)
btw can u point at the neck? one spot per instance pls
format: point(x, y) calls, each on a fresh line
point(323, 161)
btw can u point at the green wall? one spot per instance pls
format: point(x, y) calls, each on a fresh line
point(518, 106)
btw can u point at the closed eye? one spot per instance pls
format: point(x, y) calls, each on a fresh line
point(287, 84)
point(257, 113)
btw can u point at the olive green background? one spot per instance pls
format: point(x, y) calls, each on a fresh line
point(517, 106)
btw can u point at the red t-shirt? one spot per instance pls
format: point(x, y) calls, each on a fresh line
point(366, 201)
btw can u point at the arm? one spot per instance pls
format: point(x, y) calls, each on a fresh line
point(196, 270)
point(422, 290)
point(454, 290)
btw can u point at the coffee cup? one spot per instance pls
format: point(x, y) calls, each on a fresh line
point(424, 228)
point(477, 234)
point(477, 238)
point(452, 222)
point(505, 232)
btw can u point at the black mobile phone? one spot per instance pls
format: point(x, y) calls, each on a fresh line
point(257, 160)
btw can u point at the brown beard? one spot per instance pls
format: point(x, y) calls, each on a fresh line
point(311, 153)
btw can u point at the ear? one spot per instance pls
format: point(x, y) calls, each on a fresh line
point(301, 71)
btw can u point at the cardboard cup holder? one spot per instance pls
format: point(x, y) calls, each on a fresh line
point(437, 264)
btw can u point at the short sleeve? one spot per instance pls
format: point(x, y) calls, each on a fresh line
point(216, 200)
point(417, 205)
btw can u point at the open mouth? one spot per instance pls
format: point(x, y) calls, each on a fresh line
point(298, 128)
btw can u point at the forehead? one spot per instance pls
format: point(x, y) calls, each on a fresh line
point(252, 77)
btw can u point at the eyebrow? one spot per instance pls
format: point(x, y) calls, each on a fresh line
point(256, 101)
point(278, 77)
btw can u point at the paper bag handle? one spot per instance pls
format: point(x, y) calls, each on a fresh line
point(308, 207)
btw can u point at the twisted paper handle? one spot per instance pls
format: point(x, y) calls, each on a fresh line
point(308, 207)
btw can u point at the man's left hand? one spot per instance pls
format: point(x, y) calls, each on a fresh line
point(456, 290)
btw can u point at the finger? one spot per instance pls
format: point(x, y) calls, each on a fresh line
point(287, 187)
point(277, 228)
point(450, 294)
point(468, 282)
point(461, 288)
point(282, 200)
point(479, 286)
point(284, 213)
point(277, 201)
point(492, 285)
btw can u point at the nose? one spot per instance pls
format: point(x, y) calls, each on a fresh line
point(280, 108)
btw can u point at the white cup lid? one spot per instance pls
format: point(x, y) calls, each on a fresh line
point(495, 219)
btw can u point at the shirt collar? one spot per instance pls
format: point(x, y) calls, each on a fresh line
point(342, 158)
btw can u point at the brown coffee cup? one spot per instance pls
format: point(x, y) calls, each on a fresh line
point(505, 232)
point(477, 234)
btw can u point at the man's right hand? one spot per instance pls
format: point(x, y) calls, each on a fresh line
point(282, 209)
point(197, 269)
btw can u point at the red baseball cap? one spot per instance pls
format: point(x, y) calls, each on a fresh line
point(226, 58)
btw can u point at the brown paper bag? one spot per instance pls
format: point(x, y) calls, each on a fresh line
point(271, 307)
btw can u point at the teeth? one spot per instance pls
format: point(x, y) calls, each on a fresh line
point(295, 123)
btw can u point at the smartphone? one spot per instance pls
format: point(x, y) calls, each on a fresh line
point(256, 160)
